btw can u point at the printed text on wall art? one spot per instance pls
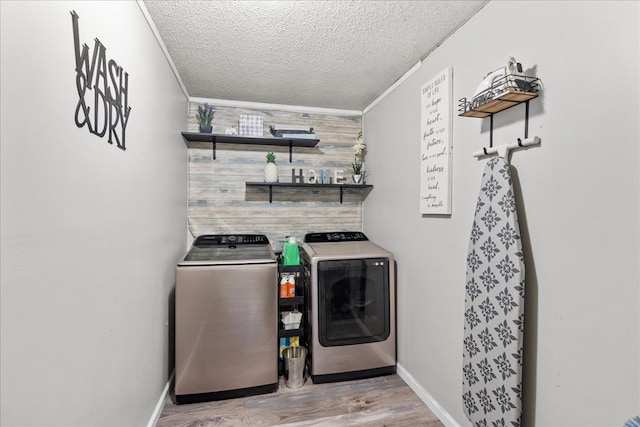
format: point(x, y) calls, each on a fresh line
point(436, 145)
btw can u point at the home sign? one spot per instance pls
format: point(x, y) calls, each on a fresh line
point(311, 177)
point(103, 91)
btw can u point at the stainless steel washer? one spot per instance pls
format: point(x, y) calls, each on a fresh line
point(351, 312)
point(226, 319)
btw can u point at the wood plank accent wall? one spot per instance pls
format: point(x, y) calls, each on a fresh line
point(219, 201)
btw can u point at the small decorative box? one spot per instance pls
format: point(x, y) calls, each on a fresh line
point(250, 125)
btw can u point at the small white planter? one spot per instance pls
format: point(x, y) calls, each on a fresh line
point(270, 172)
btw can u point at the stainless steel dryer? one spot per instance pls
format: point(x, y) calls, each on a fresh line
point(226, 319)
point(351, 311)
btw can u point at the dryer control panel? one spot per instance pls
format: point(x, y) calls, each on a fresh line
point(339, 236)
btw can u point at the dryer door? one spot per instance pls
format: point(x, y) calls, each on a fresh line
point(353, 301)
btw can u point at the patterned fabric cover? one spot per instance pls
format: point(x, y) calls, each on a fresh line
point(494, 306)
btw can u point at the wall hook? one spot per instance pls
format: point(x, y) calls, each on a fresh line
point(503, 150)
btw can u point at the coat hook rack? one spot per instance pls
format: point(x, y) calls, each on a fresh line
point(503, 150)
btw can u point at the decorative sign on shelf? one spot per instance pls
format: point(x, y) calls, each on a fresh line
point(436, 144)
point(322, 177)
point(103, 91)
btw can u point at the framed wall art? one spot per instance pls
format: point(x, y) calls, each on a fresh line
point(436, 144)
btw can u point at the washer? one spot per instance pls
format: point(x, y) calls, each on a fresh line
point(226, 319)
point(351, 310)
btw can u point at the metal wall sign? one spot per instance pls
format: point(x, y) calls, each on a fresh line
point(103, 91)
point(436, 144)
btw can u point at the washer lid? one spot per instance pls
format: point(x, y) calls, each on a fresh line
point(230, 249)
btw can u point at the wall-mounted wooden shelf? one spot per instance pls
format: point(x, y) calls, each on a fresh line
point(508, 99)
point(504, 93)
point(341, 187)
point(217, 138)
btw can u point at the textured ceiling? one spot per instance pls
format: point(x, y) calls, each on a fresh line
point(330, 54)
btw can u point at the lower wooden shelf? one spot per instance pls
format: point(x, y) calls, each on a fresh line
point(341, 187)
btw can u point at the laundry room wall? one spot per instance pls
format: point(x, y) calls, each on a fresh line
point(220, 202)
point(91, 233)
point(578, 199)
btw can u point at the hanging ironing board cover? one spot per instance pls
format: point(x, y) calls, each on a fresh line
point(494, 305)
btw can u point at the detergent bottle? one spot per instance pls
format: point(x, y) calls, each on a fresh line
point(290, 253)
point(284, 287)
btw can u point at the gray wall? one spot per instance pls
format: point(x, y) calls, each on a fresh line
point(90, 234)
point(578, 205)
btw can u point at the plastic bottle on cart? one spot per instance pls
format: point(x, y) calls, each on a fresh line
point(284, 287)
point(290, 252)
point(291, 287)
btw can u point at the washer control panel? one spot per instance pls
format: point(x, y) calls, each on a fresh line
point(231, 239)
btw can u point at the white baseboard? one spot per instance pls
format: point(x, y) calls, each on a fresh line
point(163, 397)
point(428, 400)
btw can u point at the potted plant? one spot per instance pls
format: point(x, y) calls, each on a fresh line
point(205, 115)
point(358, 154)
point(270, 169)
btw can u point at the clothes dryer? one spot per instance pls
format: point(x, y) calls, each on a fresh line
point(351, 307)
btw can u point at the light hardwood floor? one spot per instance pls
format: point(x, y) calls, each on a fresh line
point(380, 401)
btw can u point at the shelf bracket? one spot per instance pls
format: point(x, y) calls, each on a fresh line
point(270, 193)
point(290, 151)
point(341, 194)
point(526, 119)
point(491, 130)
point(213, 144)
point(526, 123)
